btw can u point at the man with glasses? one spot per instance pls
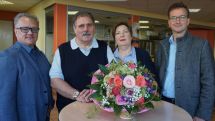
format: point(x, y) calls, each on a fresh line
point(186, 67)
point(25, 91)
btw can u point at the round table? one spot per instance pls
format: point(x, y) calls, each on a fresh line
point(163, 111)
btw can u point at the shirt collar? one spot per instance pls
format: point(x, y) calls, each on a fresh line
point(26, 47)
point(171, 40)
point(116, 53)
point(74, 44)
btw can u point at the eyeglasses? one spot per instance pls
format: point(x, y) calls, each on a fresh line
point(175, 18)
point(27, 29)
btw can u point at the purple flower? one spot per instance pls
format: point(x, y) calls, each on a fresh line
point(130, 92)
point(121, 100)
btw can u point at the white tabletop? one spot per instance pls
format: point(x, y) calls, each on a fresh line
point(163, 111)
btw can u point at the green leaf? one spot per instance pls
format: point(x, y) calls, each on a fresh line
point(128, 109)
point(156, 98)
point(136, 109)
point(99, 77)
point(95, 86)
point(103, 69)
point(117, 109)
point(149, 105)
point(97, 96)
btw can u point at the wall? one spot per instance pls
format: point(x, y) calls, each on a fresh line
point(6, 15)
point(39, 11)
point(205, 34)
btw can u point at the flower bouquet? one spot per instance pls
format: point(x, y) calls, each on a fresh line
point(119, 87)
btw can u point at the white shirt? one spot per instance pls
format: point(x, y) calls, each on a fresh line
point(56, 71)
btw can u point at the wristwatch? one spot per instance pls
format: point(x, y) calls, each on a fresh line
point(75, 94)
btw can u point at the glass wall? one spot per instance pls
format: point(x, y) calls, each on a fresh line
point(49, 33)
point(6, 34)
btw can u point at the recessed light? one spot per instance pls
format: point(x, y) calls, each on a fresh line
point(96, 21)
point(144, 27)
point(108, 0)
point(72, 12)
point(4, 2)
point(194, 10)
point(143, 22)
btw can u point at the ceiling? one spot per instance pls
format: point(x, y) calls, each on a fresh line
point(207, 13)
point(19, 5)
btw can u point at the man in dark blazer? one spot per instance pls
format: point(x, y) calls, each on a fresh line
point(25, 92)
point(186, 67)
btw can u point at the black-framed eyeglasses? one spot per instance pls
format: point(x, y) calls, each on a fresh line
point(27, 29)
point(174, 18)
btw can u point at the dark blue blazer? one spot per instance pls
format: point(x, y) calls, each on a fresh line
point(25, 92)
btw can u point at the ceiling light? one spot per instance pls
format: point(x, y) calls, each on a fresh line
point(72, 12)
point(144, 27)
point(196, 10)
point(96, 21)
point(4, 2)
point(143, 22)
point(108, 0)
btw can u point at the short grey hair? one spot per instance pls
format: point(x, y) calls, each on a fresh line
point(20, 15)
point(82, 14)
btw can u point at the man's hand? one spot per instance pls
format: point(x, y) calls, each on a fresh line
point(84, 96)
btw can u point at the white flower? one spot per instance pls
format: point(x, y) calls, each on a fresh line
point(104, 101)
point(129, 81)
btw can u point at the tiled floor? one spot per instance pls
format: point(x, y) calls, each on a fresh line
point(54, 115)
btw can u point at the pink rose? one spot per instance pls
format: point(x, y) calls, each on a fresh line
point(132, 65)
point(129, 81)
point(107, 65)
point(94, 80)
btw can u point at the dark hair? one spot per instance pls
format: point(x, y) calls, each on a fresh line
point(119, 24)
point(83, 14)
point(178, 5)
